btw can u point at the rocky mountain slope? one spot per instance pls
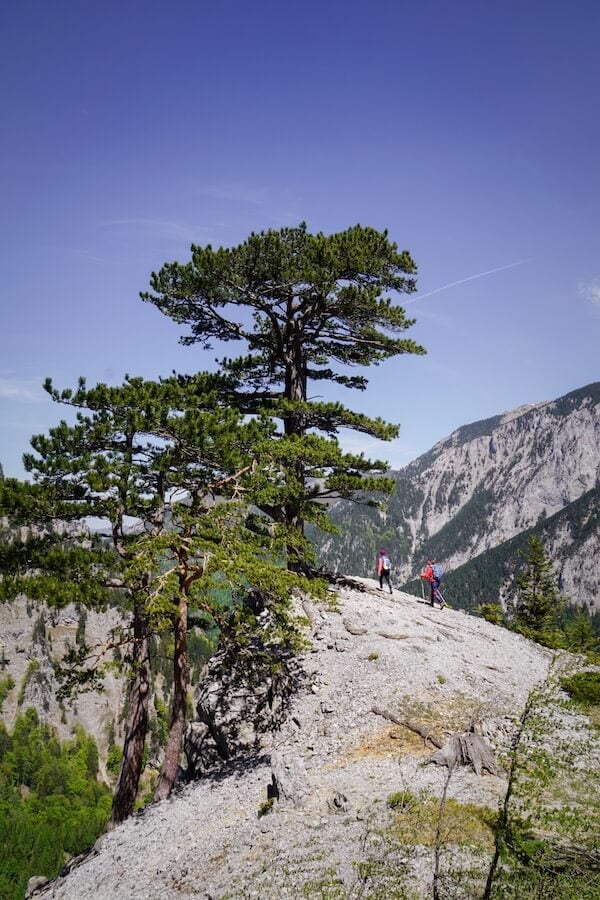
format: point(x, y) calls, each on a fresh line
point(32, 639)
point(480, 487)
point(571, 538)
point(340, 801)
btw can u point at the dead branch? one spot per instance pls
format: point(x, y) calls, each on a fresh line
point(466, 749)
point(421, 730)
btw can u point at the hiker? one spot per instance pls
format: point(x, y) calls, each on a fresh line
point(384, 568)
point(433, 574)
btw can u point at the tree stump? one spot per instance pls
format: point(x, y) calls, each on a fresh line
point(465, 749)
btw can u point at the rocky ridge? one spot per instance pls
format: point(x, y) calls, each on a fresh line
point(308, 810)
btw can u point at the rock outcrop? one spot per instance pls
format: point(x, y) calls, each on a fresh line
point(243, 696)
point(317, 804)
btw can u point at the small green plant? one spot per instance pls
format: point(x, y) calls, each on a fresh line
point(491, 612)
point(372, 656)
point(265, 808)
point(6, 684)
point(401, 799)
point(442, 679)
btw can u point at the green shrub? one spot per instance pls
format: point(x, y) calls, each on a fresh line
point(401, 799)
point(265, 808)
point(6, 684)
point(583, 687)
point(491, 612)
point(113, 760)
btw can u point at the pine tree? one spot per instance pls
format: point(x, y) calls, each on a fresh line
point(299, 302)
point(581, 637)
point(538, 602)
point(157, 460)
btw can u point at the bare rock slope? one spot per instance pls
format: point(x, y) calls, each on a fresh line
point(340, 770)
point(33, 637)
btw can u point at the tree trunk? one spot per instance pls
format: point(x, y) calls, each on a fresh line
point(439, 837)
point(136, 726)
point(502, 825)
point(295, 389)
point(180, 685)
point(462, 749)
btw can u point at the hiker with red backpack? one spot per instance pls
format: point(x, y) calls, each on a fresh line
point(434, 573)
point(384, 568)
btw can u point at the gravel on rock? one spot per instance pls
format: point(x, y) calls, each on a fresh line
point(337, 760)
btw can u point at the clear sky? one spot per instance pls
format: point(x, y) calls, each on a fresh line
point(470, 130)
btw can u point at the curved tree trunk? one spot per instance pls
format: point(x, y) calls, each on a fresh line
point(136, 726)
point(180, 685)
point(295, 389)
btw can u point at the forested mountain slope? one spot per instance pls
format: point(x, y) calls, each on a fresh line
point(482, 486)
point(572, 540)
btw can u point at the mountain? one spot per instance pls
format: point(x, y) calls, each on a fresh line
point(537, 467)
point(33, 639)
point(342, 802)
point(572, 540)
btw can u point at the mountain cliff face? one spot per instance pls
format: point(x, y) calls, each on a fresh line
point(35, 637)
point(482, 486)
point(571, 538)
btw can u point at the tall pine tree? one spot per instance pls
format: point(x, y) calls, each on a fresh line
point(300, 302)
point(539, 602)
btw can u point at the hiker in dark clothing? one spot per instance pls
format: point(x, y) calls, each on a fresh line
point(430, 574)
point(384, 568)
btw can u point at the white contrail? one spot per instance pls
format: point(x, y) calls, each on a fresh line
point(445, 287)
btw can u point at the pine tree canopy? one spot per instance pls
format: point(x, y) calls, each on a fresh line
point(298, 300)
point(178, 477)
point(539, 601)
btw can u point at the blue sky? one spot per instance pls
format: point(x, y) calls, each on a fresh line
point(469, 130)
